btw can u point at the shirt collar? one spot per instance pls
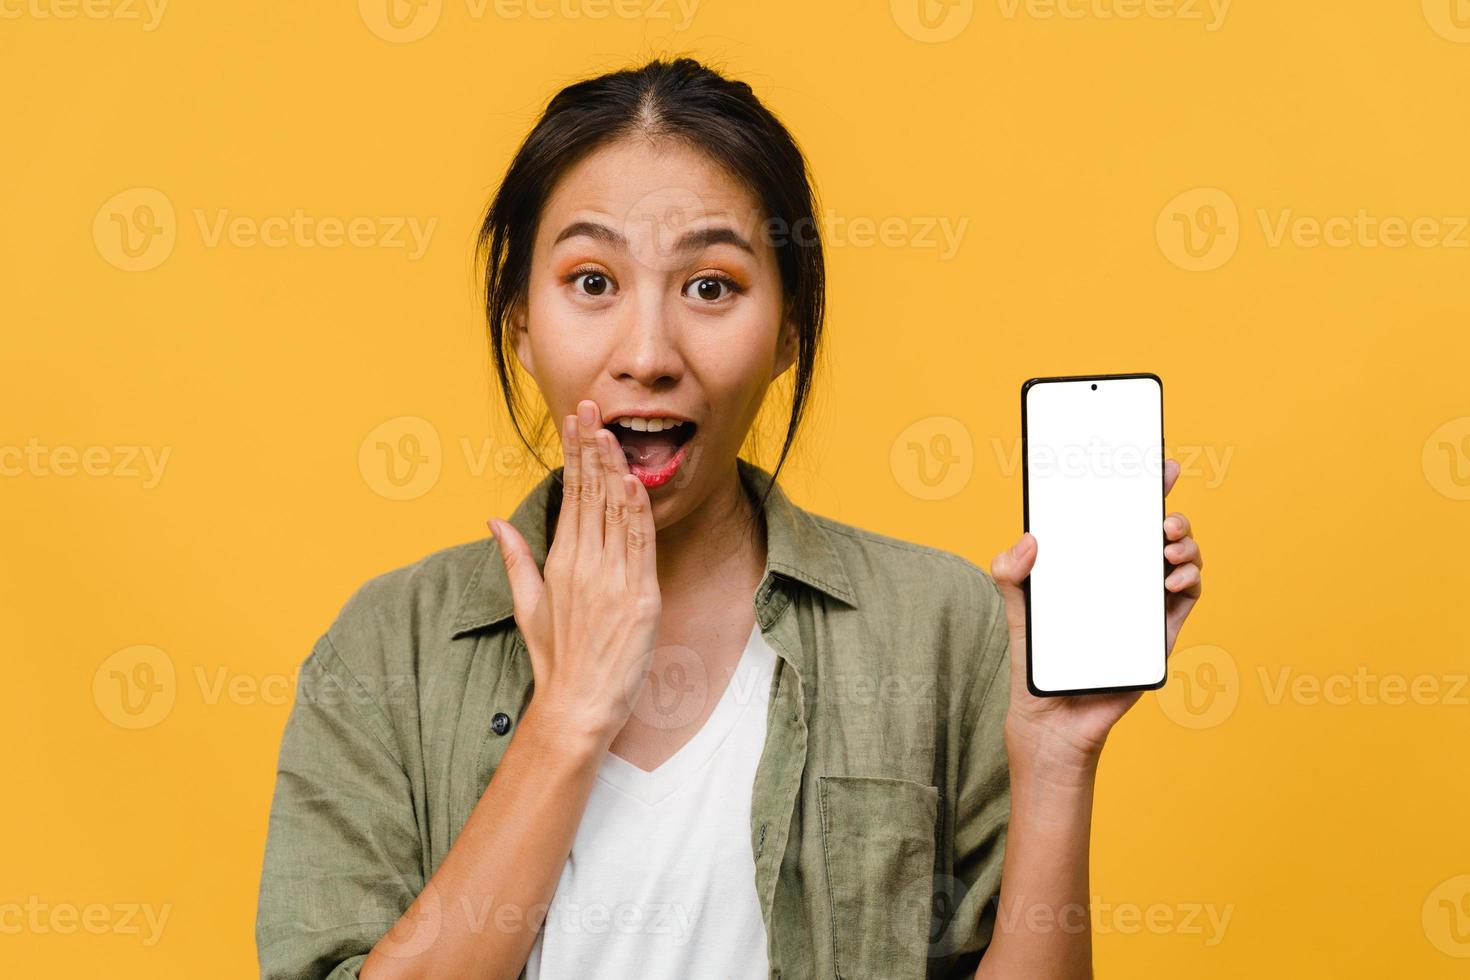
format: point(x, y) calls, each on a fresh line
point(797, 548)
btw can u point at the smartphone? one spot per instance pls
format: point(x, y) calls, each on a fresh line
point(1092, 450)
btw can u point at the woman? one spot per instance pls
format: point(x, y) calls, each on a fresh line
point(666, 724)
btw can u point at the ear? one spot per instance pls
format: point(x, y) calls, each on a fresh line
point(786, 347)
point(520, 337)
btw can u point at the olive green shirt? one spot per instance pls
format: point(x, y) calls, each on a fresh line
point(879, 808)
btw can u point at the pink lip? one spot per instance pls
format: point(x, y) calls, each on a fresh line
point(656, 478)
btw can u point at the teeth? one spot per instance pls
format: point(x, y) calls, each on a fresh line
point(648, 425)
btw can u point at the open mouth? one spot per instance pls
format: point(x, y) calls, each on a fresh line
point(654, 448)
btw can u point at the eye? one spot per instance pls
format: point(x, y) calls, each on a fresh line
point(592, 283)
point(711, 288)
point(590, 280)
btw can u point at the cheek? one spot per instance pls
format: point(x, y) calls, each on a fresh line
point(564, 359)
point(734, 365)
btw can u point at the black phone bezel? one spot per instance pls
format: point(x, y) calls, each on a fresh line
point(1026, 519)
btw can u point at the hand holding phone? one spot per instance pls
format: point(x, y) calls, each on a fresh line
point(1061, 738)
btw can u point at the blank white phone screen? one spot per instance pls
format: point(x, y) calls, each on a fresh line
point(1095, 499)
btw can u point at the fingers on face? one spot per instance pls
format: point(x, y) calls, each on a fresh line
point(615, 512)
point(571, 466)
point(592, 512)
point(607, 510)
point(564, 544)
point(642, 558)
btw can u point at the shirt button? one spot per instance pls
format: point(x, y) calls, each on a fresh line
point(500, 724)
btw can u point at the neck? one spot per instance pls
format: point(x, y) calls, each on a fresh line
point(713, 546)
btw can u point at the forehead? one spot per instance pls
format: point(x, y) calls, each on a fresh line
point(637, 179)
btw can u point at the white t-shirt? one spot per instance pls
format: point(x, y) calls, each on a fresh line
point(660, 883)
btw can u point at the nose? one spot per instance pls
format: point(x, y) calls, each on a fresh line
point(646, 349)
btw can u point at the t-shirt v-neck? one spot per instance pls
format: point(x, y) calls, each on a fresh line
point(747, 687)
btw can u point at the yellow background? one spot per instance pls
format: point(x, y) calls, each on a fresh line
point(1328, 382)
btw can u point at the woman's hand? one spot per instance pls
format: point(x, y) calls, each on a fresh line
point(1066, 734)
point(590, 625)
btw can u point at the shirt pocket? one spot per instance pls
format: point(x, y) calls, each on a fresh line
point(878, 841)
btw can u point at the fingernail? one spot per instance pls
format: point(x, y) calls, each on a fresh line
point(587, 412)
point(493, 526)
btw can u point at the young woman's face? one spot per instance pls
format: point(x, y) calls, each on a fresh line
point(653, 292)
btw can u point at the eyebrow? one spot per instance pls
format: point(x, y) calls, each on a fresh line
point(690, 240)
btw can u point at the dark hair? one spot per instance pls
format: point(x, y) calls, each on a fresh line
point(695, 105)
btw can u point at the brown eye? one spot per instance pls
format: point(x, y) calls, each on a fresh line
point(593, 283)
point(711, 289)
